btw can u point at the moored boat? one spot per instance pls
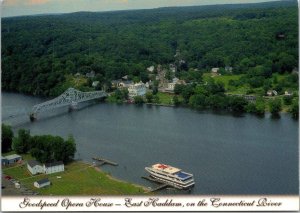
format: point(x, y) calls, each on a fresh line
point(171, 175)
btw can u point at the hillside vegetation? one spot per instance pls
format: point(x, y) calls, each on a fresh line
point(40, 52)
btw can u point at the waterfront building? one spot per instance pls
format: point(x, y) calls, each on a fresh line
point(50, 168)
point(36, 167)
point(138, 89)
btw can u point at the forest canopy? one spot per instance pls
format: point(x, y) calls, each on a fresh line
point(39, 52)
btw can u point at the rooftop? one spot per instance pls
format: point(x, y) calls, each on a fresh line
point(33, 163)
point(57, 163)
point(166, 168)
point(42, 181)
point(11, 157)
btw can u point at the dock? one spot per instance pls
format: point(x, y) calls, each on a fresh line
point(161, 186)
point(104, 161)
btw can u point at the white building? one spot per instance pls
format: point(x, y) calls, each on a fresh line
point(215, 70)
point(151, 69)
point(42, 183)
point(137, 90)
point(35, 167)
point(54, 167)
point(171, 86)
point(95, 83)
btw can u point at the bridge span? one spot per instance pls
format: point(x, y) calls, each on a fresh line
point(71, 97)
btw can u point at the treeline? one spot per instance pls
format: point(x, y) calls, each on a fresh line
point(45, 148)
point(211, 95)
point(39, 51)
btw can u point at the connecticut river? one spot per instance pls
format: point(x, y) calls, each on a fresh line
point(228, 155)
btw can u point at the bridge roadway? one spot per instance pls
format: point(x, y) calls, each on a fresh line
point(69, 98)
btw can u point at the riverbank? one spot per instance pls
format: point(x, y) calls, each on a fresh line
point(79, 178)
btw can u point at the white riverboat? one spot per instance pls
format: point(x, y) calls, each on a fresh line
point(171, 175)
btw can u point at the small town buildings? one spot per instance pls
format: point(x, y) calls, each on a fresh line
point(50, 168)
point(272, 92)
point(228, 69)
point(215, 70)
point(171, 87)
point(95, 83)
point(11, 159)
point(90, 74)
point(125, 77)
point(151, 69)
point(115, 83)
point(35, 167)
point(175, 80)
point(288, 93)
point(172, 67)
point(138, 89)
point(42, 183)
point(125, 84)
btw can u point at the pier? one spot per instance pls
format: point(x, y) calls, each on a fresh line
point(161, 186)
point(104, 161)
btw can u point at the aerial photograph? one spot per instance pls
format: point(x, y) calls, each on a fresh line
point(156, 97)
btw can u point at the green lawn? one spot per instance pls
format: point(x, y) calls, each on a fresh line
point(165, 98)
point(77, 179)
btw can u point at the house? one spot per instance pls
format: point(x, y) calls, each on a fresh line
point(11, 159)
point(50, 168)
point(42, 183)
point(4, 161)
point(272, 92)
point(175, 80)
point(215, 70)
point(172, 67)
point(288, 93)
point(228, 69)
point(115, 83)
point(35, 167)
point(90, 74)
point(125, 77)
point(95, 83)
point(171, 86)
point(150, 69)
point(137, 90)
point(125, 84)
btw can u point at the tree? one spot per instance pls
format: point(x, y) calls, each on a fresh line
point(295, 109)
point(21, 144)
point(237, 104)
point(275, 106)
point(69, 148)
point(287, 100)
point(138, 100)
point(175, 100)
point(6, 138)
point(149, 97)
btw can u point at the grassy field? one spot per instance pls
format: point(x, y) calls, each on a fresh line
point(78, 179)
point(165, 98)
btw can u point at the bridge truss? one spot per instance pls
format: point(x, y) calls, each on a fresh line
point(69, 98)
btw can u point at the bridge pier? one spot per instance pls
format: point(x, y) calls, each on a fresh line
point(32, 117)
point(73, 106)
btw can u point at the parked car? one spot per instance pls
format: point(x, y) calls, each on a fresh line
point(8, 177)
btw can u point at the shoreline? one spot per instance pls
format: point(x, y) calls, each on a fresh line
point(98, 169)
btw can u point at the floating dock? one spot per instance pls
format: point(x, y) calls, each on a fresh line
point(104, 161)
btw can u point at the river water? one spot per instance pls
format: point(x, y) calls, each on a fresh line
point(228, 155)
